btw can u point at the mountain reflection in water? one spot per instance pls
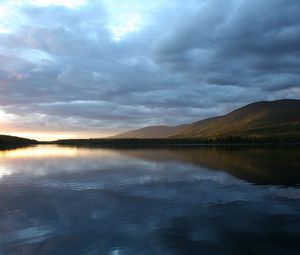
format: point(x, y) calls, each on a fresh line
point(278, 165)
point(207, 200)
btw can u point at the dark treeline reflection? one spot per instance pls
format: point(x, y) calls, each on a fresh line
point(86, 201)
point(278, 165)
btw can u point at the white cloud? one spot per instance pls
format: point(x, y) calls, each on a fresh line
point(125, 24)
point(66, 3)
point(129, 16)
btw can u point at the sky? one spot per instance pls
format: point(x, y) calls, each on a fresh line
point(88, 68)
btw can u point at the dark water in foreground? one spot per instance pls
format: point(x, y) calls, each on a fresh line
point(212, 200)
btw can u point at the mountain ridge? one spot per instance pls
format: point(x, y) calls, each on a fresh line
point(12, 141)
point(150, 132)
point(263, 119)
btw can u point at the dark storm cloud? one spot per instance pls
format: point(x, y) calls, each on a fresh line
point(186, 63)
point(241, 43)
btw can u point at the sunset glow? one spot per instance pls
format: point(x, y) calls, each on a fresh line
point(51, 151)
point(42, 152)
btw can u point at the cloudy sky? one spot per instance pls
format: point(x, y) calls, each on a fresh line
point(78, 68)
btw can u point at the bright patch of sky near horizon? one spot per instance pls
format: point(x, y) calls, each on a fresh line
point(79, 68)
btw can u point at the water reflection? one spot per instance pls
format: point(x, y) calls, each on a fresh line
point(45, 151)
point(60, 200)
point(278, 165)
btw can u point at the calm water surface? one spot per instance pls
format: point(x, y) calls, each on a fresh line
point(210, 200)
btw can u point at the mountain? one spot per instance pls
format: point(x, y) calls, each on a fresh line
point(261, 120)
point(151, 132)
point(278, 119)
point(12, 141)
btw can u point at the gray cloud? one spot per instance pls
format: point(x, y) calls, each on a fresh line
point(185, 63)
point(241, 43)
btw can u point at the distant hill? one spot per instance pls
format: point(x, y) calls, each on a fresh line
point(151, 132)
point(12, 141)
point(262, 120)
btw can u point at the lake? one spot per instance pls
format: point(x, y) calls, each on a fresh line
point(207, 200)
